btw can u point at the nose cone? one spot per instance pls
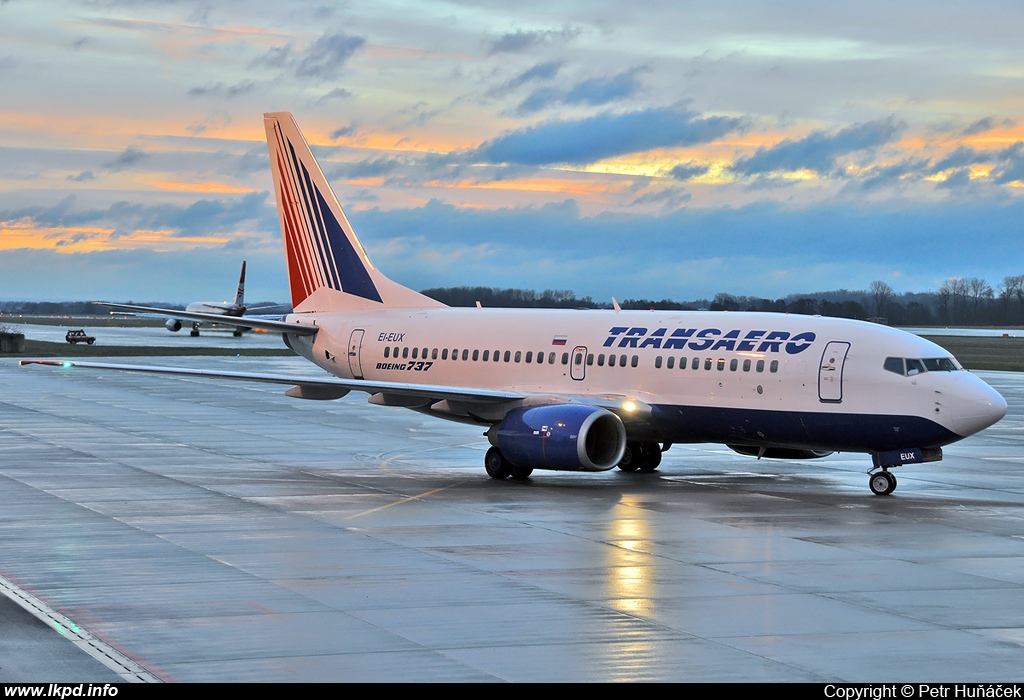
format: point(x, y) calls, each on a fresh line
point(975, 404)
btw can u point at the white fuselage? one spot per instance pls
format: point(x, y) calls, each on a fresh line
point(783, 379)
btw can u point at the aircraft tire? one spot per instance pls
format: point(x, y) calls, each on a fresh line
point(520, 473)
point(632, 457)
point(194, 334)
point(496, 465)
point(650, 458)
point(892, 483)
point(882, 483)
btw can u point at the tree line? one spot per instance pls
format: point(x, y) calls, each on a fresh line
point(959, 301)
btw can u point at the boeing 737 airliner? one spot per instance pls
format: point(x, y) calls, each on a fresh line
point(220, 308)
point(591, 390)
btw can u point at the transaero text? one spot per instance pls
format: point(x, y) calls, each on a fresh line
point(709, 339)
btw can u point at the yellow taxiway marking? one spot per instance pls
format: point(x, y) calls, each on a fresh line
point(405, 500)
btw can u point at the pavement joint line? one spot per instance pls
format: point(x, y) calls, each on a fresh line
point(129, 670)
point(407, 499)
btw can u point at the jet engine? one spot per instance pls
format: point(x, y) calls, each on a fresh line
point(779, 452)
point(173, 325)
point(564, 437)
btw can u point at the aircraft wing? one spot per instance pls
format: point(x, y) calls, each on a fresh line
point(425, 391)
point(224, 320)
point(393, 393)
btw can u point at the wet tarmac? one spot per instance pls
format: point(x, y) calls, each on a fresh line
point(224, 532)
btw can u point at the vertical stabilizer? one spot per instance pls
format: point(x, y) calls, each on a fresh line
point(327, 266)
point(240, 294)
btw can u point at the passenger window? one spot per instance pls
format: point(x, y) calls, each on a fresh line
point(444, 353)
point(529, 357)
point(433, 354)
point(635, 361)
point(721, 364)
point(565, 358)
point(497, 355)
point(695, 364)
point(508, 355)
point(622, 360)
point(611, 360)
point(465, 355)
point(760, 365)
point(774, 367)
point(590, 359)
point(487, 355)
point(519, 355)
point(414, 350)
point(600, 360)
point(455, 354)
point(424, 354)
point(476, 355)
point(551, 358)
point(540, 357)
point(387, 352)
point(670, 363)
point(657, 362)
point(733, 364)
point(394, 353)
point(746, 365)
point(405, 353)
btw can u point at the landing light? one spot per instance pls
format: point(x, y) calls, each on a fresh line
point(629, 406)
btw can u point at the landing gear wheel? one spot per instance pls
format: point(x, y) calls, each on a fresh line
point(882, 483)
point(520, 473)
point(631, 458)
point(237, 333)
point(496, 465)
point(651, 457)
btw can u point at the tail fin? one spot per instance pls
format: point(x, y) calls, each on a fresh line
point(328, 269)
point(240, 294)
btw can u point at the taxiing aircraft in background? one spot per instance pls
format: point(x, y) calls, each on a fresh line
point(220, 308)
point(592, 390)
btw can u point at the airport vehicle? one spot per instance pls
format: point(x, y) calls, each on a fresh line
point(79, 336)
point(592, 390)
point(219, 308)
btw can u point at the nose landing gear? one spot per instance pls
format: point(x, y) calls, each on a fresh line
point(882, 483)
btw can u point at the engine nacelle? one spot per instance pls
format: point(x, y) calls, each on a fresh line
point(173, 325)
point(780, 452)
point(564, 437)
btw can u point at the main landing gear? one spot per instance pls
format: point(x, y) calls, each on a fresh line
point(500, 468)
point(883, 482)
point(195, 330)
point(641, 456)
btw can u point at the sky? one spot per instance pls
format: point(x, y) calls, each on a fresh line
point(661, 150)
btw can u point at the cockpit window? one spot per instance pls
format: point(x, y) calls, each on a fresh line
point(894, 364)
point(942, 364)
point(912, 366)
